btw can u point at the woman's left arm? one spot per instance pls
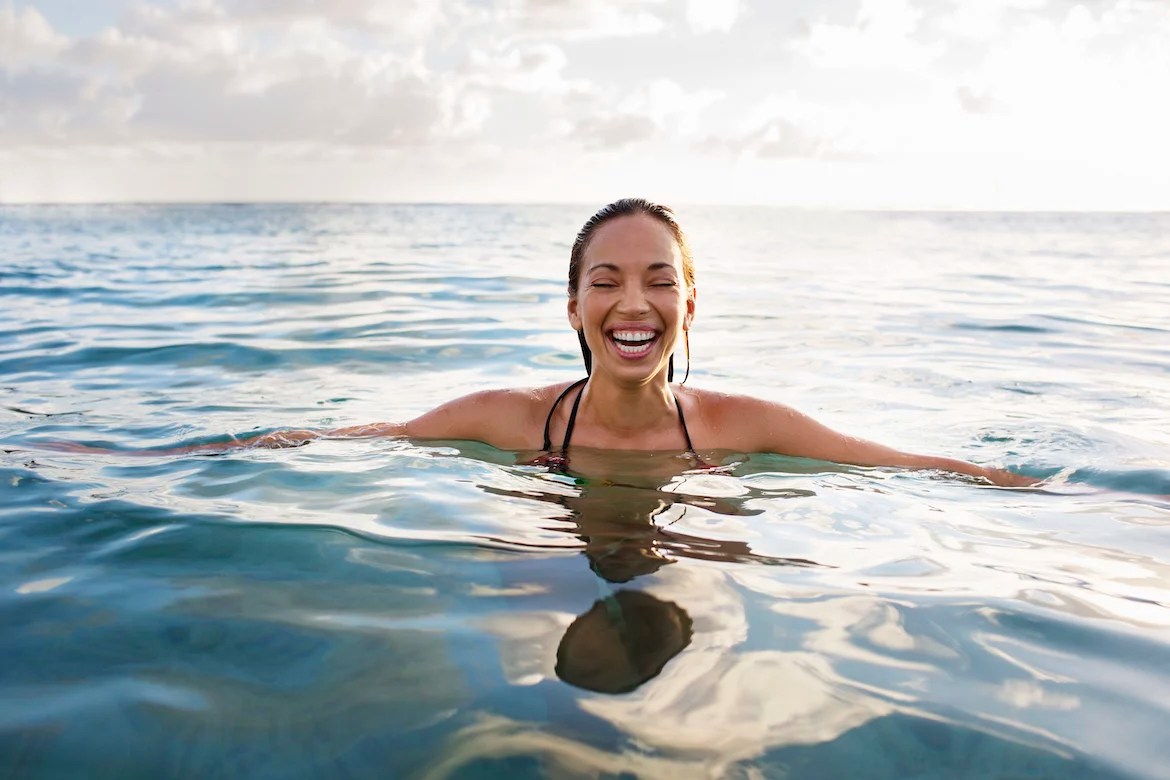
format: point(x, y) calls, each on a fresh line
point(785, 431)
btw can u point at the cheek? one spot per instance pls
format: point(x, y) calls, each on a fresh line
point(674, 301)
point(591, 305)
point(584, 312)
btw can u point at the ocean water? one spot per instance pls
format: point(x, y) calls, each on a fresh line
point(417, 609)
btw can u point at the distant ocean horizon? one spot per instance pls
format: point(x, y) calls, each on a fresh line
point(593, 205)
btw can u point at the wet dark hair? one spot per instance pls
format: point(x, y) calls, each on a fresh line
point(624, 208)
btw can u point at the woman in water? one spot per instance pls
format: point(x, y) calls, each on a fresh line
point(631, 299)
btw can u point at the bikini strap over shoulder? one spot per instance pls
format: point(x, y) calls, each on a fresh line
point(683, 421)
point(548, 420)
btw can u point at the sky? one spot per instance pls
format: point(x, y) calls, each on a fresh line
point(902, 104)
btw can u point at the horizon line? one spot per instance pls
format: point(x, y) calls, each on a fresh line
point(588, 204)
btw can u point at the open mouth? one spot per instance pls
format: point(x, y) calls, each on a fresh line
point(633, 343)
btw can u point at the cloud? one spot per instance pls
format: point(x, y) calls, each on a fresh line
point(334, 106)
point(974, 102)
point(657, 109)
point(778, 139)
point(669, 104)
point(705, 16)
point(581, 19)
point(883, 35)
point(46, 107)
point(27, 39)
point(521, 66)
point(618, 91)
point(987, 19)
point(1075, 83)
point(196, 73)
point(614, 131)
point(358, 72)
point(412, 18)
point(788, 127)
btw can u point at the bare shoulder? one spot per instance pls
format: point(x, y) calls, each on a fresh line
point(508, 418)
point(741, 422)
point(727, 407)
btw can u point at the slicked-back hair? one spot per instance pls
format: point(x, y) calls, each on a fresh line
point(624, 208)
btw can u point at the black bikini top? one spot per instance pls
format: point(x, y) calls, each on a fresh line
point(560, 461)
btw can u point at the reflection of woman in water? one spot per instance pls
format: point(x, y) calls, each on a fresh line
point(632, 298)
point(626, 534)
point(627, 637)
point(623, 640)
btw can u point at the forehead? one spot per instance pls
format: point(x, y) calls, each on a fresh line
point(637, 240)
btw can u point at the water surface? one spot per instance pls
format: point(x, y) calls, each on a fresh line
point(394, 608)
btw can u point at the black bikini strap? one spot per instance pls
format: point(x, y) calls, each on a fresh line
point(571, 423)
point(548, 420)
point(683, 421)
point(573, 420)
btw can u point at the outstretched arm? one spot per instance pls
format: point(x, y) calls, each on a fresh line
point(302, 436)
point(497, 417)
point(273, 440)
point(788, 432)
point(490, 416)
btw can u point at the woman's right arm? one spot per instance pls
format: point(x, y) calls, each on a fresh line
point(299, 437)
point(490, 416)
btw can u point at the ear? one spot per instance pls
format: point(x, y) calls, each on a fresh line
point(574, 315)
point(690, 315)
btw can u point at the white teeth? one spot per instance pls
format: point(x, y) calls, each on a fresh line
point(633, 335)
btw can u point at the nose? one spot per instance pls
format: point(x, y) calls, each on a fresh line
point(633, 299)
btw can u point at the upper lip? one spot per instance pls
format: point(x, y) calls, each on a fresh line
point(637, 327)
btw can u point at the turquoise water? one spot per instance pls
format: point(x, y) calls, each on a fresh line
point(393, 608)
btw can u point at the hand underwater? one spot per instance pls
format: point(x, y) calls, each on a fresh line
point(1005, 478)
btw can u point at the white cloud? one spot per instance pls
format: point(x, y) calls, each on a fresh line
point(788, 128)
point(776, 138)
point(974, 101)
point(197, 74)
point(881, 36)
point(669, 105)
point(614, 131)
point(780, 138)
point(579, 19)
point(706, 16)
point(659, 110)
point(985, 20)
point(27, 39)
point(413, 18)
point(522, 66)
point(1079, 85)
point(1045, 101)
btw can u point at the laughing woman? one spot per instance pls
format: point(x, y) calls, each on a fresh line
point(631, 300)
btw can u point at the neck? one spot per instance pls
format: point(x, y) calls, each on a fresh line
point(625, 409)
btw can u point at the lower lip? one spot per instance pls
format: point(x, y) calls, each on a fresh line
point(643, 349)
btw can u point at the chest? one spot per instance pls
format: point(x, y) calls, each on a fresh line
point(668, 431)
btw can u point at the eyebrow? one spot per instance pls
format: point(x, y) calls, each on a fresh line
point(611, 267)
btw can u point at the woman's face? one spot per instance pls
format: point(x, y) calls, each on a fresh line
point(632, 302)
